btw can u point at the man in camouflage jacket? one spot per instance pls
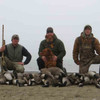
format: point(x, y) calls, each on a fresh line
point(86, 50)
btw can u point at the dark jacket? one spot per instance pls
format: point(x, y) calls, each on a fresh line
point(56, 46)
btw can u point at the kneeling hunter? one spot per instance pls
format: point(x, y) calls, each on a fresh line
point(14, 53)
point(86, 50)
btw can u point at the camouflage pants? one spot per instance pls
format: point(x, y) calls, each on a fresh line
point(9, 65)
point(84, 67)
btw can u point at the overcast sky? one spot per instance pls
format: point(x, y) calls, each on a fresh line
point(30, 19)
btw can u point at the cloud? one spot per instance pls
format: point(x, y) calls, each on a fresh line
point(1, 2)
point(67, 3)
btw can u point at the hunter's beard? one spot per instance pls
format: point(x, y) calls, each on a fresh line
point(49, 39)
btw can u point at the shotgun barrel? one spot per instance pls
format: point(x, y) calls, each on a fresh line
point(3, 44)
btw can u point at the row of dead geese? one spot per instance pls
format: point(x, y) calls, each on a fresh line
point(50, 76)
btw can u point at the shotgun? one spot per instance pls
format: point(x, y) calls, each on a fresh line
point(2, 58)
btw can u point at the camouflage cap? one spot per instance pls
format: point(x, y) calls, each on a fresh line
point(15, 36)
point(49, 30)
point(87, 27)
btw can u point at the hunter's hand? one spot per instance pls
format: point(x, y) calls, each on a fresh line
point(78, 63)
point(55, 58)
point(2, 49)
point(44, 58)
point(20, 63)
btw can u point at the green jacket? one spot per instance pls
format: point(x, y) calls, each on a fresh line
point(15, 54)
point(56, 46)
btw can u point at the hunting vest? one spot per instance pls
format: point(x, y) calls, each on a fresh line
point(14, 53)
point(86, 50)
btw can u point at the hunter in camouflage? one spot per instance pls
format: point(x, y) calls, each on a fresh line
point(86, 50)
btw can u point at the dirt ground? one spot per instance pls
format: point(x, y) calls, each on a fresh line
point(52, 93)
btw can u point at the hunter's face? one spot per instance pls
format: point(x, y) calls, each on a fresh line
point(87, 31)
point(49, 37)
point(15, 42)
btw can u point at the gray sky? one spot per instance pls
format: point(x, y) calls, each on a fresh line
point(30, 18)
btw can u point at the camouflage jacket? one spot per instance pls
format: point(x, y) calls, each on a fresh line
point(84, 48)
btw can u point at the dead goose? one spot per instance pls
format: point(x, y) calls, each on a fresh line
point(35, 79)
point(54, 75)
point(21, 80)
